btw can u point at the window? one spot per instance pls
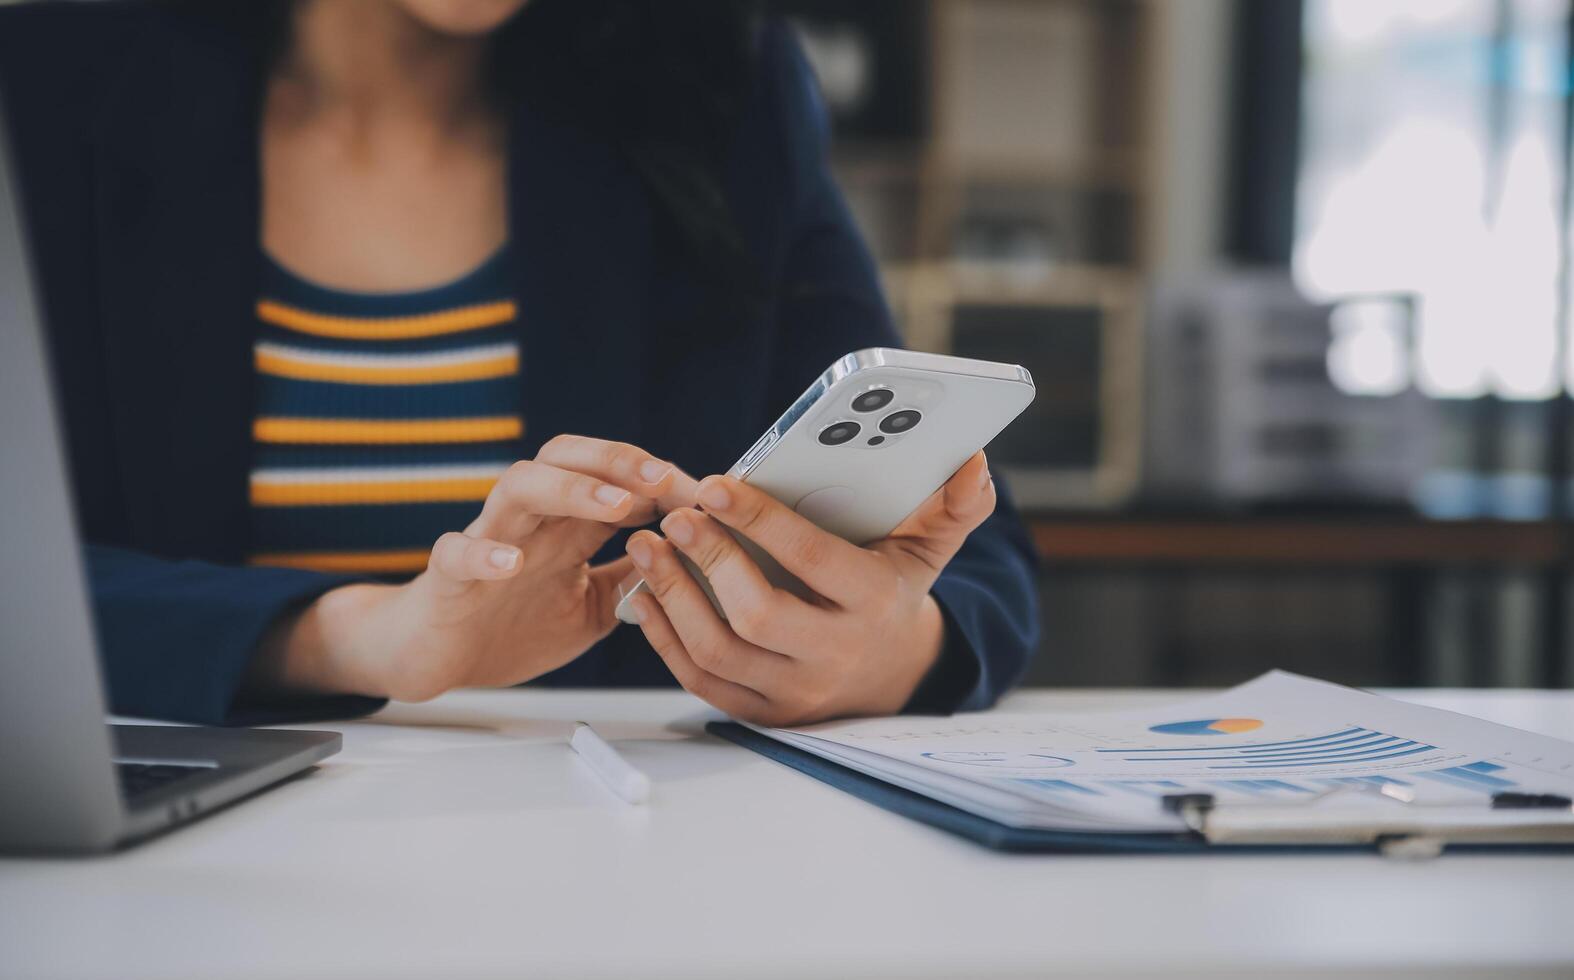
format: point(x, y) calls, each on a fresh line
point(1431, 166)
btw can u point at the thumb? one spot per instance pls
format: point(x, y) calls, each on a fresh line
point(931, 535)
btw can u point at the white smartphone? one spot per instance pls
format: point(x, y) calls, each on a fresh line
point(870, 440)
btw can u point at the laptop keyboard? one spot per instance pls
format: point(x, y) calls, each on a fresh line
point(139, 778)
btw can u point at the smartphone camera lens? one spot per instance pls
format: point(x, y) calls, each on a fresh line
point(899, 422)
point(839, 433)
point(873, 400)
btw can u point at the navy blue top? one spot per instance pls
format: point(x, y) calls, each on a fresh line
point(136, 127)
point(382, 419)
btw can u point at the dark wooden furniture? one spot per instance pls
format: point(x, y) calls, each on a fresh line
point(1409, 551)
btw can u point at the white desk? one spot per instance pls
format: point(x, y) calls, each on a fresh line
point(463, 839)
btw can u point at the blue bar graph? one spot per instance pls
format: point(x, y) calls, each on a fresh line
point(1364, 736)
point(1475, 775)
point(1374, 740)
point(1238, 785)
point(1281, 784)
point(1332, 762)
point(1063, 785)
point(1145, 787)
point(1385, 781)
point(1375, 750)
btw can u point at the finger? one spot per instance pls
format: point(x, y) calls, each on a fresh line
point(734, 699)
point(709, 641)
point(564, 541)
point(836, 569)
point(641, 512)
point(931, 535)
point(757, 611)
point(458, 558)
point(647, 511)
point(604, 594)
point(532, 490)
point(683, 493)
point(629, 467)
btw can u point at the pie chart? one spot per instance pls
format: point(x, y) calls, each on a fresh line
point(1209, 726)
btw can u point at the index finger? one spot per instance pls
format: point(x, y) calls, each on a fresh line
point(628, 466)
point(532, 490)
point(647, 476)
point(834, 568)
point(683, 493)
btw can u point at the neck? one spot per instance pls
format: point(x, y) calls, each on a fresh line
point(369, 61)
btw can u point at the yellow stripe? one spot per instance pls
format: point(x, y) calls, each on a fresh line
point(352, 431)
point(402, 492)
point(381, 562)
point(288, 367)
point(386, 328)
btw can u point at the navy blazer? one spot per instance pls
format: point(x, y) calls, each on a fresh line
point(136, 131)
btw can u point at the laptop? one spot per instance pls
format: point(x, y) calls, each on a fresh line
point(70, 782)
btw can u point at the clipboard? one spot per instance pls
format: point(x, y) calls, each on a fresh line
point(1030, 840)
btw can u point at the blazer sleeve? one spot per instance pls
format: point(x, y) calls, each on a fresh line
point(829, 303)
point(177, 637)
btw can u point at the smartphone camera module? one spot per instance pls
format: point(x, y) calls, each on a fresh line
point(898, 422)
point(839, 433)
point(873, 400)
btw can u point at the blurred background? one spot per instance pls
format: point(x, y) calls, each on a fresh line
point(1293, 279)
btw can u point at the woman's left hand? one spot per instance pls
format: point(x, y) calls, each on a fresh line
point(859, 647)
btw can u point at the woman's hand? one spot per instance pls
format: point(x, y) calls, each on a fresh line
point(508, 599)
point(861, 647)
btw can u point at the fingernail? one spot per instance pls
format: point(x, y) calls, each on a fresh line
point(654, 470)
point(611, 495)
point(637, 608)
point(985, 478)
point(503, 558)
point(713, 494)
point(679, 529)
point(639, 550)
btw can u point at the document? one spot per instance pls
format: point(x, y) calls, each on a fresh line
point(1280, 738)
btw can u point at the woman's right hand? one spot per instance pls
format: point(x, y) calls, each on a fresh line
point(508, 599)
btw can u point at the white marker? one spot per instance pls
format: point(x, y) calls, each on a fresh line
point(623, 779)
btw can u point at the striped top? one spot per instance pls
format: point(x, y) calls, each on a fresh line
point(382, 419)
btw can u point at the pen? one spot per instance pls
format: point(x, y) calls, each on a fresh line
point(623, 779)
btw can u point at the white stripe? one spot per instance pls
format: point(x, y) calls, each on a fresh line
point(380, 474)
point(464, 355)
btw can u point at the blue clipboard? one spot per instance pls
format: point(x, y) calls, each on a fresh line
point(1026, 840)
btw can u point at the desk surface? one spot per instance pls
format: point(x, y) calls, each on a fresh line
point(463, 839)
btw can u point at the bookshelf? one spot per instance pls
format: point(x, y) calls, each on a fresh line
point(1005, 179)
point(1021, 133)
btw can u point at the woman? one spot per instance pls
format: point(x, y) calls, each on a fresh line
point(330, 281)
